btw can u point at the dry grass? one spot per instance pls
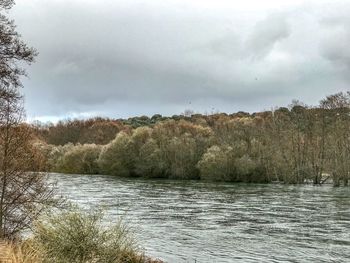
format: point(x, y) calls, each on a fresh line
point(18, 253)
point(25, 253)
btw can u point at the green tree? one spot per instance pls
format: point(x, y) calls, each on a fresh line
point(117, 157)
point(217, 164)
point(81, 159)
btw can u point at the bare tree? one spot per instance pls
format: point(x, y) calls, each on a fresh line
point(23, 189)
point(23, 193)
point(337, 108)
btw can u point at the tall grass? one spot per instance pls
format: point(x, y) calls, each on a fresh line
point(19, 253)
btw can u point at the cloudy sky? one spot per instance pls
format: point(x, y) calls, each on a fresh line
point(122, 58)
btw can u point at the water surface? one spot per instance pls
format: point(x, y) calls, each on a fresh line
point(195, 221)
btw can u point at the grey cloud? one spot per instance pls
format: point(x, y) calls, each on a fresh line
point(266, 34)
point(119, 58)
point(335, 42)
point(335, 46)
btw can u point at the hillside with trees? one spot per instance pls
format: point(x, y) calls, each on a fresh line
point(295, 144)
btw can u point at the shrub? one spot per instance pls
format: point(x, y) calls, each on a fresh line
point(181, 145)
point(80, 237)
point(182, 155)
point(249, 171)
point(150, 162)
point(117, 157)
point(221, 163)
point(56, 154)
point(217, 164)
point(81, 159)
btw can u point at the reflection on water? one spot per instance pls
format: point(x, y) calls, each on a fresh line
point(204, 222)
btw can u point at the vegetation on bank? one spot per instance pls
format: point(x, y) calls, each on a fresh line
point(297, 144)
point(75, 236)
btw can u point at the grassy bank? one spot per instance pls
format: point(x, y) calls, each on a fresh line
point(75, 236)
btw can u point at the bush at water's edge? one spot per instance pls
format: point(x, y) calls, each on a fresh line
point(75, 236)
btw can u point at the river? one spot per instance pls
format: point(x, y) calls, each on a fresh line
point(193, 221)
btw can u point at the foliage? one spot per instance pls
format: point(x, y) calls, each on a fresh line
point(217, 164)
point(81, 159)
point(295, 144)
point(151, 162)
point(78, 236)
point(91, 131)
point(117, 157)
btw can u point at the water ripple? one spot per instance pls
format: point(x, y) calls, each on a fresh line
point(206, 222)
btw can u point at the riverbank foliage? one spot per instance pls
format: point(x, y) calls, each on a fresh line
point(295, 144)
point(75, 236)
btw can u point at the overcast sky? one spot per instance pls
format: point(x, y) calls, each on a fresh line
point(121, 58)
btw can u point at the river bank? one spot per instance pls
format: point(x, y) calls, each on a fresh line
point(74, 235)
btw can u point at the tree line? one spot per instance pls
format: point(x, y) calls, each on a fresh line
point(296, 144)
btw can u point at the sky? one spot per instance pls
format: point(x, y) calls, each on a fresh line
point(123, 58)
